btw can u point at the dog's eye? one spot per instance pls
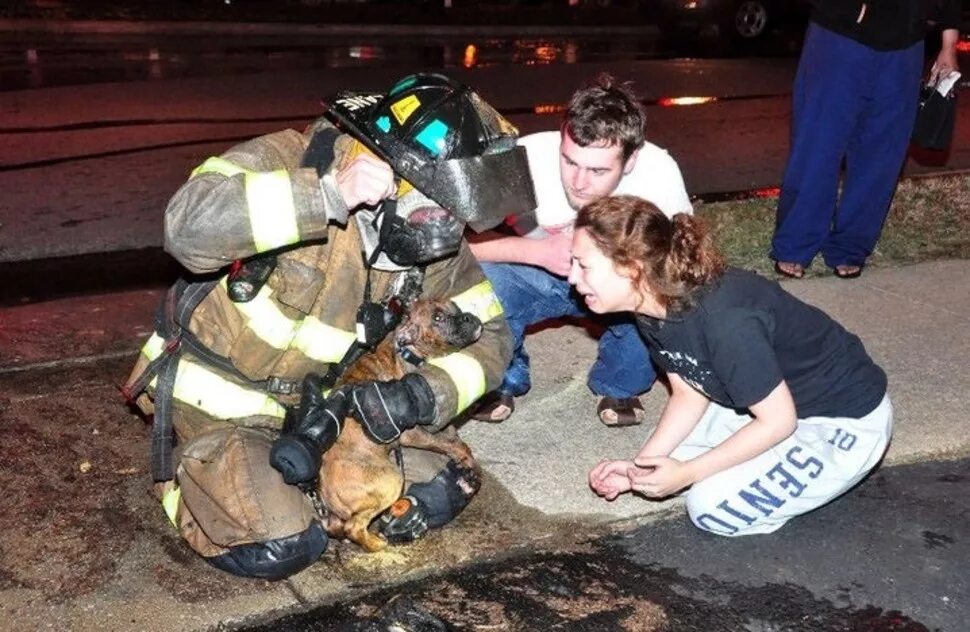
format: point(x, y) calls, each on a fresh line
point(438, 317)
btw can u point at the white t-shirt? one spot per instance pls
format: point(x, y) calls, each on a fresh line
point(655, 178)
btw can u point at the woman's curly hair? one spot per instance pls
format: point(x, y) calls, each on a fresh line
point(669, 257)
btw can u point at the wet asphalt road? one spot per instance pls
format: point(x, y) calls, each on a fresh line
point(34, 60)
point(890, 556)
point(86, 169)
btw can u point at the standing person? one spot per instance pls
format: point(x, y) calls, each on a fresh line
point(855, 99)
point(775, 409)
point(600, 151)
point(334, 241)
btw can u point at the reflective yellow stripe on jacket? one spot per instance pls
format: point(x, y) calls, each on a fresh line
point(467, 374)
point(170, 503)
point(312, 337)
point(272, 213)
point(464, 370)
point(481, 301)
point(211, 393)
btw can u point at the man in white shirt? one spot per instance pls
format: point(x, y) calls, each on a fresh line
point(600, 151)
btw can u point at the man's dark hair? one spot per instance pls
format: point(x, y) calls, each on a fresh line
point(606, 110)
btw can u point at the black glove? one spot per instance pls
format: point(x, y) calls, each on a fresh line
point(386, 409)
point(430, 505)
point(308, 432)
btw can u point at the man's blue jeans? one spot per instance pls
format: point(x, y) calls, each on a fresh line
point(530, 295)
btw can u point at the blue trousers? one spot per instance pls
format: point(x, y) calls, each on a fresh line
point(850, 103)
point(531, 295)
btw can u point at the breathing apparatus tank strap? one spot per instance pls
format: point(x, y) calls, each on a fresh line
point(171, 323)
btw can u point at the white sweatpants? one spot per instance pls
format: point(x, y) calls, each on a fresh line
point(821, 460)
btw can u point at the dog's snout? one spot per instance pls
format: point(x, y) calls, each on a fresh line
point(472, 324)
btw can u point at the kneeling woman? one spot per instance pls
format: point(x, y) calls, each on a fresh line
point(775, 408)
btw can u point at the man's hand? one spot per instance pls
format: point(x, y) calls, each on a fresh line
point(609, 478)
point(553, 253)
point(386, 409)
point(366, 180)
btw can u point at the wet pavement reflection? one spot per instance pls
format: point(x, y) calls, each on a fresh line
point(56, 64)
point(79, 60)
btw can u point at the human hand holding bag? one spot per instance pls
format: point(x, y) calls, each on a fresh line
point(937, 113)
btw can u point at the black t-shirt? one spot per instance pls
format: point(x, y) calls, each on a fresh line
point(746, 334)
point(886, 24)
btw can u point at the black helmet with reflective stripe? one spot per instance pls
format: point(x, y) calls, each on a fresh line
point(443, 138)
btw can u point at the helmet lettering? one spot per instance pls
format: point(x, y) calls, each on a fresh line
point(358, 102)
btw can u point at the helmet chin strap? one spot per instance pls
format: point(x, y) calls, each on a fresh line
point(387, 213)
point(370, 227)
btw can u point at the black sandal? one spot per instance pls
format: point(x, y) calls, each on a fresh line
point(628, 411)
point(786, 273)
point(852, 274)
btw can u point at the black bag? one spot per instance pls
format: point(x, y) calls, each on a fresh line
point(935, 118)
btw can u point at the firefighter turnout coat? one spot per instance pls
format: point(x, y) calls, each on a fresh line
point(256, 198)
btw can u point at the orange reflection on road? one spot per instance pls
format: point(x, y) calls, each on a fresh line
point(672, 101)
point(546, 54)
point(549, 108)
point(471, 56)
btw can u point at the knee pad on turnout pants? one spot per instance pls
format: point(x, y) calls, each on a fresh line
point(238, 513)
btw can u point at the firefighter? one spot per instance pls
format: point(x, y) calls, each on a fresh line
point(298, 246)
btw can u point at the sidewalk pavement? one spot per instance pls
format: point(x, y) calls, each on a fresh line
point(130, 572)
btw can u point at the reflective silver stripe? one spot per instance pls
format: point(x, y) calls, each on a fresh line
point(272, 213)
point(312, 337)
point(481, 301)
point(467, 375)
point(170, 503)
point(211, 393)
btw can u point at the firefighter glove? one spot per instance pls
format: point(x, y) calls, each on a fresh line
point(386, 409)
point(311, 428)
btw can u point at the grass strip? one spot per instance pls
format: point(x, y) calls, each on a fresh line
point(929, 220)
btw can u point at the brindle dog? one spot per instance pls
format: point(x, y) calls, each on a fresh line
point(358, 478)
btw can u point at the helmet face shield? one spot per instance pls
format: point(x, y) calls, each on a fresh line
point(446, 141)
point(501, 133)
point(484, 189)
